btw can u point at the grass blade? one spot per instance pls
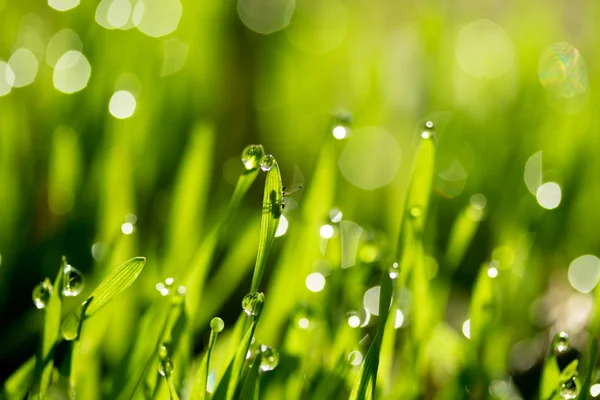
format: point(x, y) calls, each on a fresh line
point(199, 388)
point(593, 358)
point(366, 381)
point(16, 386)
point(117, 282)
point(51, 335)
point(271, 212)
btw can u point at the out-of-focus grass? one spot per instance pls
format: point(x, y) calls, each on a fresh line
point(483, 279)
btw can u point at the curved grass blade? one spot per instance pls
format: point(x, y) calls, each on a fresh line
point(17, 385)
point(251, 388)
point(199, 387)
point(117, 282)
point(246, 179)
point(366, 381)
point(271, 212)
point(228, 386)
point(550, 377)
point(482, 307)
point(593, 358)
point(51, 335)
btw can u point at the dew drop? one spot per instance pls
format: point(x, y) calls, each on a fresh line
point(269, 358)
point(253, 351)
point(41, 293)
point(73, 281)
point(70, 327)
point(165, 367)
point(428, 132)
point(267, 162)
point(178, 296)
point(217, 324)
point(335, 215)
point(561, 342)
point(251, 156)
point(570, 388)
point(253, 303)
point(394, 271)
point(416, 212)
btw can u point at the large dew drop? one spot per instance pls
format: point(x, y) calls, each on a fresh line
point(73, 281)
point(70, 327)
point(570, 389)
point(252, 303)
point(251, 156)
point(269, 358)
point(267, 162)
point(217, 324)
point(41, 293)
point(561, 342)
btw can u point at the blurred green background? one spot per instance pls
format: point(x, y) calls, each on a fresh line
point(122, 123)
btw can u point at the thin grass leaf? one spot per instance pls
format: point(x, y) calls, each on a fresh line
point(190, 197)
point(251, 388)
point(366, 381)
point(117, 282)
point(593, 358)
point(550, 377)
point(271, 212)
point(228, 385)
point(482, 306)
point(50, 337)
point(199, 387)
point(461, 235)
point(246, 179)
point(17, 385)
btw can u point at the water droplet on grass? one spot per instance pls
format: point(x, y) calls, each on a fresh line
point(570, 388)
point(561, 342)
point(252, 303)
point(165, 367)
point(70, 327)
point(269, 358)
point(217, 324)
point(73, 281)
point(41, 293)
point(416, 212)
point(267, 162)
point(394, 270)
point(251, 156)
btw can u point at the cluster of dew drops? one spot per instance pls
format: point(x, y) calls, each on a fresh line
point(269, 356)
point(571, 386)
point(254, 156)
point(73, 283)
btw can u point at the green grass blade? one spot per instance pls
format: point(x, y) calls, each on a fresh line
point(550, 377)
point(199, 387)
point(271, 212)
point(246, 179)
point(482, 306)
point(190, 197)
point(593, 358)
point(17, 385)
point(117, 282)
point(251, 388)
point(50, 337)
point(462, 233)
point(366, 381)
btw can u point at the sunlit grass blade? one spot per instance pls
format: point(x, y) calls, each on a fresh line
point(50, 337)
point(17, 385)
point(228, 386)
point(248, 175)
point(117, 282)
point(190, 197)
point(550, 377)
point(591, 369)
point(482, 306)
point(251, 387)
point(271, 212)
point(199, 387)
point(366, 382)
point(462, 233)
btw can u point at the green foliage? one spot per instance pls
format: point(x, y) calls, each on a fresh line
point(445, 215)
